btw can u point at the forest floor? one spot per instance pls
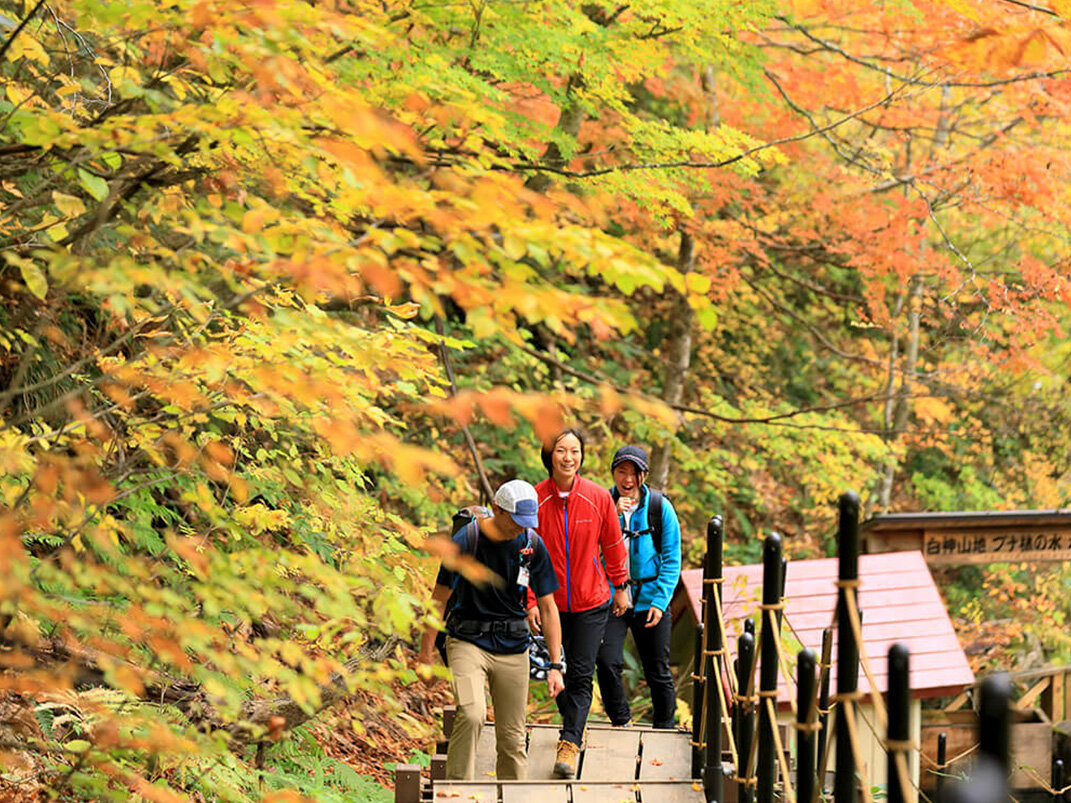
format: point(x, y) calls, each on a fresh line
point(385, 736)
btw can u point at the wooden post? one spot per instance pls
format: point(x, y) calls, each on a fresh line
point(407, 783)
point(899, 702)
point(844, 783)
point(713, 778)
point(823, 704)
point(806, 717)
point(766, 765)
point(449, 713)
point(438, 767)
point(745, 727)
point(942, 755)
point(698, 682)
point(1052, 699)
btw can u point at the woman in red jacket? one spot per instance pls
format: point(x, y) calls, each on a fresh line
point(577, 521)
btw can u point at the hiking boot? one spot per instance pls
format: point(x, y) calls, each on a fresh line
point(565, 761)
point(623, 725)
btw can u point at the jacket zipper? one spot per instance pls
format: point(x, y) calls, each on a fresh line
point(568, 592)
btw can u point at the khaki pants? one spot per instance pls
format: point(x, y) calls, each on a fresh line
point(508, 678)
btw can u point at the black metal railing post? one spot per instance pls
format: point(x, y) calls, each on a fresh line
point(766, 765)
point(994, 719)
point(844, 782)
point(745, 725)
point(713, 777)
point(942, 756)
point(807, 719)
point(698, 682)
point(823, 705)
point(899, 704)
point(988, 781)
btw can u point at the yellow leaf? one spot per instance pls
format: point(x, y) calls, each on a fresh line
point(34, 278)
point(253, 220)
point(963, 8)
point(57, 231)
point(933, 410)
point(177, 86)
point(122, 76)
point(69, 205)
point(26, 46)
point(514, 247)
point(697, 282)
point(1062, 7)
point(17, 94)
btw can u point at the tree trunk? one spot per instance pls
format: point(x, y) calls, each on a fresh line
point(678, 353)
point(898, 404)
point(569, 123)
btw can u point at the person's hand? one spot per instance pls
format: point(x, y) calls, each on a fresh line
point(555, 683)
point(535, 624)
point(621, 602)
point(654, 616)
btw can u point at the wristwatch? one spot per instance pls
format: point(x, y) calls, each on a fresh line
point(619, 586)
point(554, 666)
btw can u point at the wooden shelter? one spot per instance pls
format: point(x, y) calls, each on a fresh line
point(900, 604)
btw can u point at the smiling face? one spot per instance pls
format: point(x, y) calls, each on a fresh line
point(628, 480)
point(565, 460)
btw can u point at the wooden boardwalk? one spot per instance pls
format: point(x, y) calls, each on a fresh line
point(617, 765)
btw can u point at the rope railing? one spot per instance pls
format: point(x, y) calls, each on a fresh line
point(851, 589)
point(848, 703)
point(811, 711)
point(720, 664)
point(789, 794)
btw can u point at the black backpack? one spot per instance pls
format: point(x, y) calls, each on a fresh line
point(463, 517)
point(654, 516)
point(466, 518)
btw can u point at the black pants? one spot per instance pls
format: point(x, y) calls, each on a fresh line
point(652, 643)
point(581, 636)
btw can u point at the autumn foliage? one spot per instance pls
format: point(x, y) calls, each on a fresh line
point(279, 280)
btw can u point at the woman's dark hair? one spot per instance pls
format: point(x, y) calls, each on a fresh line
point(548, 450)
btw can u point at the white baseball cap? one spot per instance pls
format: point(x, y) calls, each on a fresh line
point(519, 499)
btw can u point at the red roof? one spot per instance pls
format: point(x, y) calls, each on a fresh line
point(899, 602)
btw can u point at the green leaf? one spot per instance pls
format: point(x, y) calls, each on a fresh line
point(94, 185)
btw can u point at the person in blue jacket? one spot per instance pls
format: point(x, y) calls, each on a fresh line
point(653, 576)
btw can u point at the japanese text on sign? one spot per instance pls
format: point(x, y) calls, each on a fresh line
point(990, 547)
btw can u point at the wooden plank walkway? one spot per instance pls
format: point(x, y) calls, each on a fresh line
point(567, 792)
point(617, 765)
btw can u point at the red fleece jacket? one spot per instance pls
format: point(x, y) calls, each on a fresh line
point(574, 528)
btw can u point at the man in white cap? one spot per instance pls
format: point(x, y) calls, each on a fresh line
point(487, 630)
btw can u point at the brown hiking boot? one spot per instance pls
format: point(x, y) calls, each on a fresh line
point(565, 761)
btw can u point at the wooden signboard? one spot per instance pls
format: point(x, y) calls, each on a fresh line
point(942, 547)
point(950, 539)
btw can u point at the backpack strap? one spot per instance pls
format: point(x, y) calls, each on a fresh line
point(472, 535)
point(654, 517)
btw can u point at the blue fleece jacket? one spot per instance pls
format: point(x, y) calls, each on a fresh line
point(658, 572)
